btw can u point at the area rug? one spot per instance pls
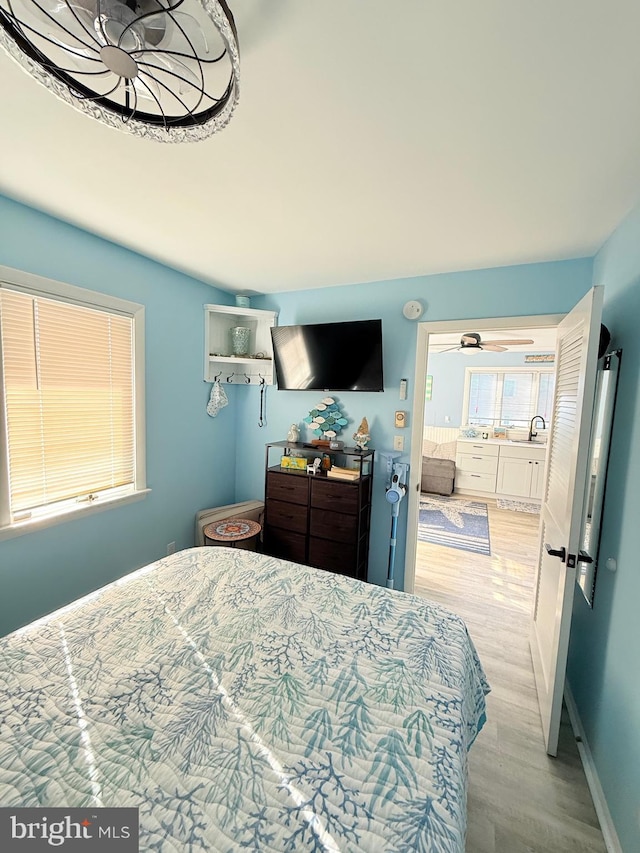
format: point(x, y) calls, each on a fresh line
point(518, 506)
point(454, 524)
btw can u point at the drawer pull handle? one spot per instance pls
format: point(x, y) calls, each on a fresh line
point(476, 457)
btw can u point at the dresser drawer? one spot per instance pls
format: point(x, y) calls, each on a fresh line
point(288, 487)
point(476, 463)
point(477, 482)
point(334, 556)
point(342, 527)
point(338, 497)
point(285, 544)
point(287, 515)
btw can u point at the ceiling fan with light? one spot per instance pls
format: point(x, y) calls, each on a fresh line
point(164, 69)
point(471, 342)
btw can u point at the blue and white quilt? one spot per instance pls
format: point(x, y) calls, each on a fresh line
point(245, 702)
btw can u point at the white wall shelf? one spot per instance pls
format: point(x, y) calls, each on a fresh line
point(238, 370)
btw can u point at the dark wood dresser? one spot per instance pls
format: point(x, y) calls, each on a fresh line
point(315, 519)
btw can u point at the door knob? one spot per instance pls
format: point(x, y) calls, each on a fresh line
point(561, 553)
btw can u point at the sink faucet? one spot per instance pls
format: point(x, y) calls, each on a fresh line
point(532, 434)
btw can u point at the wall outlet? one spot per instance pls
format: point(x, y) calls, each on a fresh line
point(398, 442)
point(171, 548)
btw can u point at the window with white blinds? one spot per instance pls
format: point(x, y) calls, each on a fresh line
point(508, 396)
point(70, 433)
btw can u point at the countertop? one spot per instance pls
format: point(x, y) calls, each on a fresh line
point(505, 441)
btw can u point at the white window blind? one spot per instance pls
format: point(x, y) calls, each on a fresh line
point(507, 396)
point(68, 380)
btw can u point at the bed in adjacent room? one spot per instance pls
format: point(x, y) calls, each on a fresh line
point(245, 702)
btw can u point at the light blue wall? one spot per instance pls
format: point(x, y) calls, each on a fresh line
point(194, 461)
point(190, 457)
point(605, 642)
point(448, 371)
point(506, 292)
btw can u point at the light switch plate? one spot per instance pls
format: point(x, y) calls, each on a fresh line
point(398, 442)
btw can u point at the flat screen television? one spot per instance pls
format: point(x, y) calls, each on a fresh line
point(329, 356)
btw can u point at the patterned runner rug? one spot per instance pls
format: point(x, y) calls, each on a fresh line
point(454, 523)
point(518, 506)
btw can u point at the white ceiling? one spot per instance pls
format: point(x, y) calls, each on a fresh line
point(373, 140)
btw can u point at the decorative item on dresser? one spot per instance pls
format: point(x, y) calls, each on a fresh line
point(294, 434)
point(320, 520)
point(326, 420)
point(362, 436)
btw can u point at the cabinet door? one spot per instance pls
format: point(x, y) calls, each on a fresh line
point(514, 477)
point(537, 480)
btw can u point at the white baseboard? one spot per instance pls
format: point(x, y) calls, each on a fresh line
point(611, 839)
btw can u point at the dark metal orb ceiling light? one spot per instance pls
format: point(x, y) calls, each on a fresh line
point(164, 69)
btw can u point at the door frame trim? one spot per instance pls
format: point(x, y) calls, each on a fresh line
point(425, 329)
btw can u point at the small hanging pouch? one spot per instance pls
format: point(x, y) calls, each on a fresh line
point(217, 399)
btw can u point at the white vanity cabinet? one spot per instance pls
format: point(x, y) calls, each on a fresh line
point(500, 468)
point(521, 471)
point(476, 466)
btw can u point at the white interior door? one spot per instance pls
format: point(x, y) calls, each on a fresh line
point(561, 510)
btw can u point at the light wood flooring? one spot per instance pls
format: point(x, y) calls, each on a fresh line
point(520, 799)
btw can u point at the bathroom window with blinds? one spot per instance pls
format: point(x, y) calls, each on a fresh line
point(508, 396)
point(71, 425)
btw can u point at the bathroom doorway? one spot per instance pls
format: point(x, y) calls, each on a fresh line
point(442, 423)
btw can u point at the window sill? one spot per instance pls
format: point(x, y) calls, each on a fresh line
point(34, 524)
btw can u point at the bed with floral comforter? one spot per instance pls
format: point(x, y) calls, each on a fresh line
point(244, 702)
